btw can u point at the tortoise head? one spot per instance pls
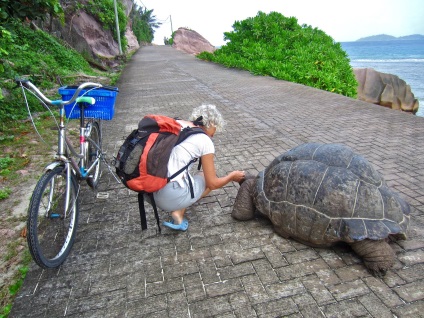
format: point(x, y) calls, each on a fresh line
point(244, 208)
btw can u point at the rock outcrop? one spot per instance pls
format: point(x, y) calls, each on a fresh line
point(132, 42)
point(385, 89)
point(191, 42)
point(86, 35)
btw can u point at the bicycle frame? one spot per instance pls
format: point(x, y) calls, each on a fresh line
point(64, 143)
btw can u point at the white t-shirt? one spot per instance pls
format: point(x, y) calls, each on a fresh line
point(194, 146)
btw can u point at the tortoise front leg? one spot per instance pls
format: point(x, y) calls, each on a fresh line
point(377, 255)
point(244, 208)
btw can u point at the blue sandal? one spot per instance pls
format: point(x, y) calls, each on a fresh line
point(179, 227)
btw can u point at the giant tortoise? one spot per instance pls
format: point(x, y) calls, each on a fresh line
point(322, 194)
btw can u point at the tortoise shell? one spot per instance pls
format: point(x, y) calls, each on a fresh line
point(325, 193)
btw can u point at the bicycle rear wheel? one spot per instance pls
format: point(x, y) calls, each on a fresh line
point(52, 218)
point(93, 153)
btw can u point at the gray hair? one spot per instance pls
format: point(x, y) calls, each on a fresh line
point(211, 116)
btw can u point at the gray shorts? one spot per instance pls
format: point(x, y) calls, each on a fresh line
point(173, 197)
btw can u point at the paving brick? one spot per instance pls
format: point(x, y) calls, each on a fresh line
point(411, 274)
point(285, 289)
point(301, 269)
point(311, 311)
point(353, 272)
point(193, 255)
point(331, 258)
point(382, 291)
point(209, 272)
point(301, 256)
point(180, 269)
point(328, 277)
point(254, 289)
point(412, 291)
point(318, 291)
point(167, 286)
point(147, 306)
point(374, 306)
point(247, 255)
point(210, 307)
point(265, 272)
point(223, 288)
point(347, 308)
point(274, 256)
point(238, 270)
point(181, 310)
point(412, 257)
point(276, 308)
point(241, 305)
point(348, 290)
point(412, 310)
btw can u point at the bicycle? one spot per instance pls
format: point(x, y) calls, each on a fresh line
point(54, 207)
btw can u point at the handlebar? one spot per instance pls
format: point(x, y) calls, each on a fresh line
point(27, 84)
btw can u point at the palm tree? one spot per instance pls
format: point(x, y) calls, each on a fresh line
point(144, 23)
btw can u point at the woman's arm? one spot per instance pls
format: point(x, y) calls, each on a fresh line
point(212, 181)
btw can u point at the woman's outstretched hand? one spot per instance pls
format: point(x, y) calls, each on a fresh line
point(238, 176)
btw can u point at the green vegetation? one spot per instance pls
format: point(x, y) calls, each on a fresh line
point(144, 24)
point(4, 193)
point(36, 55)
point(274, 45)
point(18, 279)
point(29, 10)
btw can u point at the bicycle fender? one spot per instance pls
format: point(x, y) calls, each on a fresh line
point(53, 165)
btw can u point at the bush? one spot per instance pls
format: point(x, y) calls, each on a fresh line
point(274, 45)
point(37, 55)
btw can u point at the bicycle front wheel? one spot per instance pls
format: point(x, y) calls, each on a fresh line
point(94, 153)
point(53, 218)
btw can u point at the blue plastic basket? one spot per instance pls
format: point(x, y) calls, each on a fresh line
point(104, 108)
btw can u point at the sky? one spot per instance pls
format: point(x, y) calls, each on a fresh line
point(344, 21)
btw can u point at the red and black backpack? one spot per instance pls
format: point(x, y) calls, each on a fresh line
point(142, 160)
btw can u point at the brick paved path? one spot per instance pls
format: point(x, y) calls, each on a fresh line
point(221, 267)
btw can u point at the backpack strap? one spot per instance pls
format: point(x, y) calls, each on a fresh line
point(143, 211)
point(152, 200)
point(189, 179)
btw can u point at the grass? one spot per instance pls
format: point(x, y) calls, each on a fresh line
point(14, 287)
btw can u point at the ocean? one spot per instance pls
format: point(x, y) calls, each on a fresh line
point(403, 58)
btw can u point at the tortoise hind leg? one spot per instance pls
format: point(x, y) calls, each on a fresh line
point(377, 255)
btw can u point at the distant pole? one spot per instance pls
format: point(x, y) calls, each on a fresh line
point(172, 30)
point(117, 27)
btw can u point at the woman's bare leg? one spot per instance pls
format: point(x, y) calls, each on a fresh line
point(178, 216)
